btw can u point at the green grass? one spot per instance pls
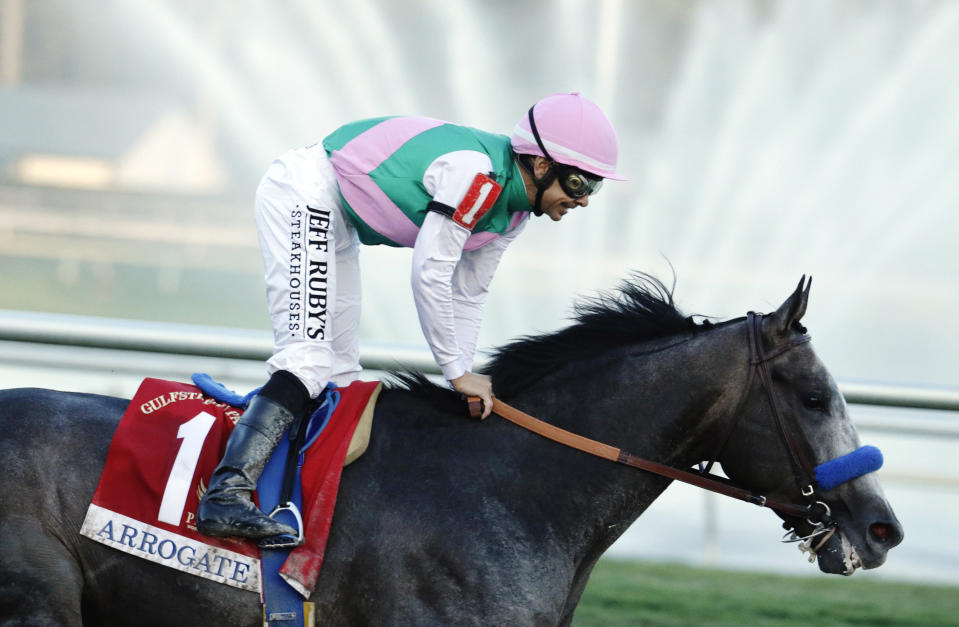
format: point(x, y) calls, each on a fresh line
point(636, 593)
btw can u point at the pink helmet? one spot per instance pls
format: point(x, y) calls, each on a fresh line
point(571, 130)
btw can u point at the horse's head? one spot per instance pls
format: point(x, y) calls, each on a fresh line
point(792, 421)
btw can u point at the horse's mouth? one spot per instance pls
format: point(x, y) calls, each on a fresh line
point(839, 547)
point(839, 556)
point(835, 552)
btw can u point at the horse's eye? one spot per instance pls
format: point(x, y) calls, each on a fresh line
point(814, 402)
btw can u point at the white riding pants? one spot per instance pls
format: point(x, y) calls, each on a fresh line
point(311, 261)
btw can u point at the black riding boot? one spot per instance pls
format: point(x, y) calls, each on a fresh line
point(226, 509)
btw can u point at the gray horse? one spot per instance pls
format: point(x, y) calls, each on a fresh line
point(449, 521)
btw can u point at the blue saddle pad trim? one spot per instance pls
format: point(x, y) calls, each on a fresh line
point(321, 417)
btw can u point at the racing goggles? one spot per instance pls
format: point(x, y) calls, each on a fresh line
point(575, 182)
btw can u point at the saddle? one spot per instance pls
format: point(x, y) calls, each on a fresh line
point(361, 435)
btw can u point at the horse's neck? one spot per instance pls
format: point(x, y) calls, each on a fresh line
point(666, 406)
point(661, 400)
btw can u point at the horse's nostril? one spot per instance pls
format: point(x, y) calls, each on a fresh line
point(882, 532)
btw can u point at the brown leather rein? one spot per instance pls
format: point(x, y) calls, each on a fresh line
point(758, 363)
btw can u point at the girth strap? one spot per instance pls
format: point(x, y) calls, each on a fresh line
point(572, 440)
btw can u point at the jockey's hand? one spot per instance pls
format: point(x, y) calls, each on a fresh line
point(472, 384)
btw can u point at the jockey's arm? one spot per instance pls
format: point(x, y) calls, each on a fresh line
point(436, 253)
point(471, 281)
point(449, 297)
point(449, 288)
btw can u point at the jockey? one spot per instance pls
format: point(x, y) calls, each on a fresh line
point(456, 195)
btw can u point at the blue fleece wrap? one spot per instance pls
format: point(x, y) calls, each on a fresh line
point(211, 387)
point(863, 460)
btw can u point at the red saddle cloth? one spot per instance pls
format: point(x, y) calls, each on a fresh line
point(168, 443)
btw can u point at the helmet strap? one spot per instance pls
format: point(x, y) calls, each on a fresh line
point(539, 141)
point(542, 183)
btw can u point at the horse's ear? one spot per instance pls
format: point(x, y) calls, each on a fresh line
point(792, 311)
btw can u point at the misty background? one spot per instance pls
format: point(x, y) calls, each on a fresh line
point(763, 139)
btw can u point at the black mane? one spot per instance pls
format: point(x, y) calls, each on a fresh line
point(642, 309)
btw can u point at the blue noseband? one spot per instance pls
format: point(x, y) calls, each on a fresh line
point(863, 460)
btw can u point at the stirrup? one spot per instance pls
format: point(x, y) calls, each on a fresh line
point(285, 540)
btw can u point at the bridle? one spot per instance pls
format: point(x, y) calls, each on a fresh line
point(814, 511)
point(804, 472)
point(759, 360)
